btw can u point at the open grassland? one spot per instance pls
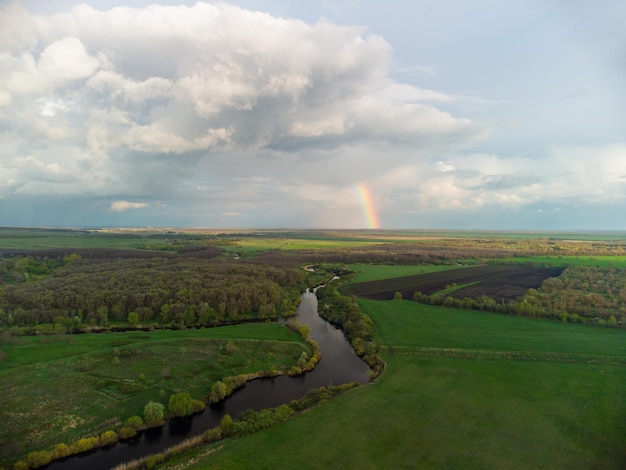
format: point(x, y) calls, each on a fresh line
point(601, 261)
point(254, 244)
point(41, 239)
point(373, 272)
point(60, 388)
point(457, 393)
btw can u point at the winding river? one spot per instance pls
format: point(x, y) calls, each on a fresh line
point(339, 364)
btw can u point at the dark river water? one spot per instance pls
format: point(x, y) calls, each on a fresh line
point(339, 364)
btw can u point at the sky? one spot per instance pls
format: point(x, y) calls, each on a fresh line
point(424, 114)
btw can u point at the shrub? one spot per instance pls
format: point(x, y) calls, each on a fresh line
point(198, 406)
point(212, 435)
point(61, 450)
point(153, 460)
point(38, 458)
point(181, 404)
point(153, 413)
point(134, 422)
point(127, 432)
point(84, 445)
point(108, 437)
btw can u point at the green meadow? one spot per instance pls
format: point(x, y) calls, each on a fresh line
point(111, 376)
point(461, 390)
point(600, 261)
point(373, 272)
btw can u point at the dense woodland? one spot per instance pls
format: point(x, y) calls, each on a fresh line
point(178, 291)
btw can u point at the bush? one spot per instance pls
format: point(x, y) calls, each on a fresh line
point(61, 450)
point(108, 438)
point(38, 458)
point(198, 406)
point(84, 445)
point(153, 413)
point(153, 460)
point(20, 465)
point(181, 404)
point(212, 435)
point(134, 422)
point(127, 432)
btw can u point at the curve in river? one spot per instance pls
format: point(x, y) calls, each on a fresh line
point(339, 364)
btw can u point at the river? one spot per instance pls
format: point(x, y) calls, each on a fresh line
point(339, 364)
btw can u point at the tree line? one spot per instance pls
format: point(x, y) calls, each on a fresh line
point(581, 294)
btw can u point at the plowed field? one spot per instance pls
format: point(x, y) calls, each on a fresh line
point(500, 282)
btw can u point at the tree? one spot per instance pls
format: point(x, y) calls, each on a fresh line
point(108, 437)
point(153, 413)
point(181, 404)
point(133, 318)
point(227, 425)
point(397, 296)
point(218, 392)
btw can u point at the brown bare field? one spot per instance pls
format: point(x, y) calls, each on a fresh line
point(500, 282)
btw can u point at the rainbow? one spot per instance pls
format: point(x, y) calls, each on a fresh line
point(369, 210)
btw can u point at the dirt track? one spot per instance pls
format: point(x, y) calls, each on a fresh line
point(500, 282)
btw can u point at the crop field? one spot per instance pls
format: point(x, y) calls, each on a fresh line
point(496, 281)
point(113, 376)
point(461, 390)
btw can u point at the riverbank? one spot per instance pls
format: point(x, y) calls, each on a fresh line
point(114, 375)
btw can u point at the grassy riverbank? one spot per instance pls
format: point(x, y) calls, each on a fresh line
point(61, 388)
point(462, 389)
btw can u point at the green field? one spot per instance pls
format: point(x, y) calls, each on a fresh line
point(601, 261)
point(373, 272)
point(113, 376)
point(41, 239)
point(461, 390)
point(252, 244)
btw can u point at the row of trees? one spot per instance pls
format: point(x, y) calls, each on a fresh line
point(344, 312)
point(580, 294)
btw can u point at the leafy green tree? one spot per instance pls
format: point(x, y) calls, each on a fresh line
point(397, 296)
point(134, 422)
point(227, 425)
point(133, 318)
point(153, 413)
point(218, 392)
point(181, 404)
point(108, 437)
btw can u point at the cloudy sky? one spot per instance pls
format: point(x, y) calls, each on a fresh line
point(465, 114)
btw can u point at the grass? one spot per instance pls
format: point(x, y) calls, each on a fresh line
point(255, 244)
point(455, 395)
point(600, 261)
point(36, 239)
point(373, 272)
point(113, 376)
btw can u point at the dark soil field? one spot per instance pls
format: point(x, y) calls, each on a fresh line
point(500, 282)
